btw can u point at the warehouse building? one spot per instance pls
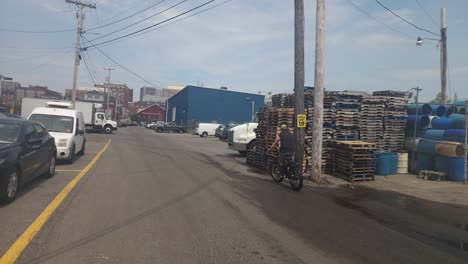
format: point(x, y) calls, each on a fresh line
point(207, 105)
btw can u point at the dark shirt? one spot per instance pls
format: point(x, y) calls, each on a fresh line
point(288, 142)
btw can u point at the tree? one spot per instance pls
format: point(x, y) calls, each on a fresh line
point(438, 99)
point(134, 118)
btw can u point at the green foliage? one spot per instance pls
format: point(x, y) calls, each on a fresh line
point(134, 118)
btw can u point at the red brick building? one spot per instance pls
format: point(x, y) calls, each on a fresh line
point(152, 113)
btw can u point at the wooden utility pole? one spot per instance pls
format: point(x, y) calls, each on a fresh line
point(443, 56)
point(299, 78)
point(80, 17)
point(107, 85)
point(318, 92)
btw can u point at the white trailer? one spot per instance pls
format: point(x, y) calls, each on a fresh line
point(94, 117)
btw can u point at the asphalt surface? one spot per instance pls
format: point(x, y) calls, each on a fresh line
point(170, 198)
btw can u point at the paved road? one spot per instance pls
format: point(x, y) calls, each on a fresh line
point(170, 198)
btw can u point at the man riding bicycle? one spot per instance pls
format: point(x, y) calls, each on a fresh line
point(287, 146)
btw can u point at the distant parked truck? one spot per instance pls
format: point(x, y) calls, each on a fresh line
point(206, 129)
point(169, 127)
point(242, 137)
point(94, 117)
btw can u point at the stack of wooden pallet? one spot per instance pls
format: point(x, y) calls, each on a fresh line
point(372, 120)
point(347, 107)
point(282, 100)
point(395, 119)
point(354, 160)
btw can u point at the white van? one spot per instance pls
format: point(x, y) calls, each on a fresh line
point(206, 129)
point(65, 125)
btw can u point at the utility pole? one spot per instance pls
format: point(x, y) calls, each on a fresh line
point(443, 56)
point(318, 92)
point(107, 85)
point(80, 16)
point(299, 78)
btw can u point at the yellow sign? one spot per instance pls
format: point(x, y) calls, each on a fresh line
point(301, 121)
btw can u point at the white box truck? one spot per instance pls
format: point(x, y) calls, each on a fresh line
point(94, 117)
point(242, 137)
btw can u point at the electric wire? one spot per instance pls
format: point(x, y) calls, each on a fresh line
point(154, 25)
point(127, 17)
point(405, 20)
point(120, 65)
point(140, 21)
point(90, 75)
point(427, 13)
point(173, 22)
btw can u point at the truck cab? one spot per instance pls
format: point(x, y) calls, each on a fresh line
point(101, 121)
point(242, 137)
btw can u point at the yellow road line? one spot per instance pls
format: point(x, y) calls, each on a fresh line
point(23, 241)
point(68, 170)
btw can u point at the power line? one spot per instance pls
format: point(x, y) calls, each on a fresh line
point(122, 12)
point(120, 65)
point(427, 13)
point(173, 22)
point(379, 21)
point(90, 75)
point(412, 24)
point(155, 25)
point(138, 22)
point(127, 17)
point(93, 68)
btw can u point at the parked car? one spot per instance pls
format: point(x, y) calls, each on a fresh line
point(225, 134)
point(27, 151)
point(66, 125)
point(169, 127)
point(153, 124)
point(133, 123)
point(206, 129)
point(219, 131)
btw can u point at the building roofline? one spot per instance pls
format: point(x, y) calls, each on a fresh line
point(217, 89)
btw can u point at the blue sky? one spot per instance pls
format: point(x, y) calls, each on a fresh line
point(246, 45)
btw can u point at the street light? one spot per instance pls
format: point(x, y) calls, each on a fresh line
point(419, 41)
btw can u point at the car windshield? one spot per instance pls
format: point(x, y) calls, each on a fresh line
point(9, 132)
point(53, 123)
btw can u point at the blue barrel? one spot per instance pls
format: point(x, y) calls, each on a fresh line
point(424, 161)
point(423, 109)
point(457, 135)
point(426, 146)
point(383, 164)
point(442, 123)
point(445, 110)
point(458, 121)
point(456, 169)
point(434, 134)
point(393, 162)
point(422, 121)
point(441, 163)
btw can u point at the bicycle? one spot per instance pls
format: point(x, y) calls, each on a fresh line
point(290, 171)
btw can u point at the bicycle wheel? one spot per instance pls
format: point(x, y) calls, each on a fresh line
point(295, 179)
point(276, 173)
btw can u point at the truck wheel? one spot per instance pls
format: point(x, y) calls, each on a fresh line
point(243, 153)
point(204, 134)
point(181, 131)
point(107, 129)
point(159, 130)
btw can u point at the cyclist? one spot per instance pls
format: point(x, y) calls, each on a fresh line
point(287, 146)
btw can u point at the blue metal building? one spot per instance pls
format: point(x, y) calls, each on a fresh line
point(206, 105)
